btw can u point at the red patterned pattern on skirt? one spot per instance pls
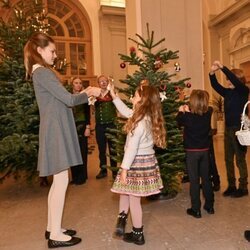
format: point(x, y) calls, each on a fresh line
point(143, 178)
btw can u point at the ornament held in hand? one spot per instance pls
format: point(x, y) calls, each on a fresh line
point(91, 100)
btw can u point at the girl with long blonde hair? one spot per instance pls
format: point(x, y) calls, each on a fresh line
point(139, 174)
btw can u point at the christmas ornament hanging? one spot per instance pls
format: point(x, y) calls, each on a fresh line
point(123, 65)
point(163, 87)
point(158, 64)
point(188, 85)
point(177, 67)
point(163, 96)
point(132, 50)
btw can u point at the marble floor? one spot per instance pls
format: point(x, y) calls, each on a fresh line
point(91, 209)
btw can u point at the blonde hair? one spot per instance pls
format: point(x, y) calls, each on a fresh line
point(31, 56)
point(199, 101)
point(101, 76)
point(240, 74)
point(149, 105)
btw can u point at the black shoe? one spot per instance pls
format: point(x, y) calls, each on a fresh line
point(121, 224)
point(55, 243)
point(229, 191)
point(247, 235)
point(209, 210)
point(69, 232)
point(136, 236)
point(196, 214)
point(239, 193)
point(216, 187)
point(102, 174)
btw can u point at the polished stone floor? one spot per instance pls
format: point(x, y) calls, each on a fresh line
point(91, 209)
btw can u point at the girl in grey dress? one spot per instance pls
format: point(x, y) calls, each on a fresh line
point(58, 142)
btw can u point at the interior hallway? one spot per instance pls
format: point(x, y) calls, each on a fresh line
point(92, 209)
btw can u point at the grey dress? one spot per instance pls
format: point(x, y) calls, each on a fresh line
point(58, 142)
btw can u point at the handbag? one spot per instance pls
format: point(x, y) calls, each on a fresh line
point(243, 134)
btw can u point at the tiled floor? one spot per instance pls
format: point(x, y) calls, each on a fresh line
point(91, 209)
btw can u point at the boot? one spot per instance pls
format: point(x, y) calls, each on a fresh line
point(121, 223)
point(136, 236)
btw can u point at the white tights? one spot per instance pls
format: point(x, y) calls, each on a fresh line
point(56, 200)
point(134, 204)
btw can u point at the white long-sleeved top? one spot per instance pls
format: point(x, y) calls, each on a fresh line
point(140, 142)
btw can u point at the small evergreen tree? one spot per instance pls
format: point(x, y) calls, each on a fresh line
point(18, 109)
point(149, 63)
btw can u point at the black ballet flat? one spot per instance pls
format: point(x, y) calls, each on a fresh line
point(69, 232)
point(55, 243)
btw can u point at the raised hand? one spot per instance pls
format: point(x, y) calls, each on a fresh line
point(111, 88)
point(218, 64)
point(215, 66)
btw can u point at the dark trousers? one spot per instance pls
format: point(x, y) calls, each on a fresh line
point(214, 175)
point(233, 148)
point(103, 142)
point(198, 167)
point(79, 173)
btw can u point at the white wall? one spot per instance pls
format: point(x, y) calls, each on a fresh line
point(180, 22)
point(92, 8)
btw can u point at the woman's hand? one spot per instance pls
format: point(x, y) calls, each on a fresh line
point(92, 91)
point(87, 132)
point(123, 176)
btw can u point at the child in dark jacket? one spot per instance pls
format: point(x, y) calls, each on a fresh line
point(196, 120)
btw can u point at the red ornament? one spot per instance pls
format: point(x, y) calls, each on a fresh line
point(158, 64)
point(188, 85)
point(132, 50)
point(123, 65)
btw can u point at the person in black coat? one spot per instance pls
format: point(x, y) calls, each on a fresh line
point(82, 119)
point(235, 97)
point(196, 121)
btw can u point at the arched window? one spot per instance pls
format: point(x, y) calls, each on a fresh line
point(71, 32)
point(70, 28)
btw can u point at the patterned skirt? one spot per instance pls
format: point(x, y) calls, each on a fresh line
point(143, 178)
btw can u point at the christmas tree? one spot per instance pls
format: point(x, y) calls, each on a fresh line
point(18, 109)
point(150, 63)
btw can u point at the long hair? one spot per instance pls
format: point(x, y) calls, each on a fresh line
point(199, 101)
point(31, 56)
point(240, 74)
point(150, 106)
